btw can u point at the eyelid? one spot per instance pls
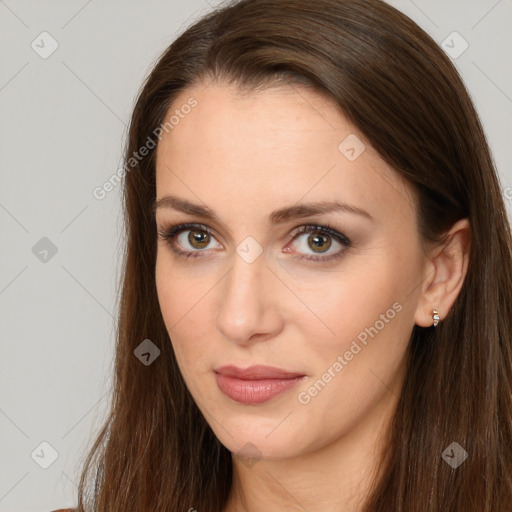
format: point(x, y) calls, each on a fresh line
point(322, 228)
point(168, 229)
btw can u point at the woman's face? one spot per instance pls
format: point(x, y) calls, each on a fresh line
point(265, 165)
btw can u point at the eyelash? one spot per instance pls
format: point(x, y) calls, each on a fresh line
point(170, 232)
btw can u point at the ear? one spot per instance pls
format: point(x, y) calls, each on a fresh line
point(444, 275)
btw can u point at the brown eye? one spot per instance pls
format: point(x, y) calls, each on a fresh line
point(188, 240)
point(198, 239)
point(319, 242)
point(314, 242)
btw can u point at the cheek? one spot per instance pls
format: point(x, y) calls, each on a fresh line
point(342, 304)
point(359, 367)
point(182, 302)
point(364, 313)
point(181, 289)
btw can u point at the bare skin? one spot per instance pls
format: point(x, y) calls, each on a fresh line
point(245, 156)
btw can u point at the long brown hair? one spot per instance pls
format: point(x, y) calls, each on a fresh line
point(156, 452)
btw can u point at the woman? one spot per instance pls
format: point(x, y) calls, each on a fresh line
point(317, 297)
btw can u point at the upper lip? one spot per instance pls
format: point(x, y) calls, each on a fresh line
point(257, 372)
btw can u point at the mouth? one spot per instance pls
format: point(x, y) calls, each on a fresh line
point(256, 384)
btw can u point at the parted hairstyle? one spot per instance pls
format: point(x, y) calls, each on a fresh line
point(155, 451)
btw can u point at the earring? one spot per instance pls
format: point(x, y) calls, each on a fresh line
point(435, 316)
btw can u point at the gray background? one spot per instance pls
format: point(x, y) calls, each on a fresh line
point(63, 124)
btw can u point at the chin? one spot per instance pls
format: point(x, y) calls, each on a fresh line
point(255, 439)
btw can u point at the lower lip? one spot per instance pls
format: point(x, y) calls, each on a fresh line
point(251, 392)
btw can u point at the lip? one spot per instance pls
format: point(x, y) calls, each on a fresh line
point(255, 384)
point(256, 372)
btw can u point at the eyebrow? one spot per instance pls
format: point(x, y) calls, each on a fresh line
point(278, 216)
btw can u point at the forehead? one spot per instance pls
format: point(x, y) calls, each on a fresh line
point(276, 145)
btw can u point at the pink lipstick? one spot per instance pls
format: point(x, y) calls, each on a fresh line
point(256, 384)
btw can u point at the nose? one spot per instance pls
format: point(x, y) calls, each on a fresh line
point(248, 308)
